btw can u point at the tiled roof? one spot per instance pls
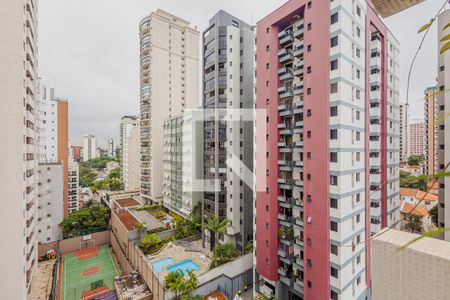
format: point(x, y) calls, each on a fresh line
point(418, 194)
point(127, 219)
point(410, 209)
point(127, 202)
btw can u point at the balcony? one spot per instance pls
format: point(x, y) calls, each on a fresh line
point(298, 88)
point(287, 94)
point(375, 45)
point(288, 57)
point(299, 221)
point(375, 79)
point(298, 202)
point(287, 39)
point(375, 179)
point(287, 75)
point(375, 62)
point(375, 95)
point(298, 69)
point(375, 112)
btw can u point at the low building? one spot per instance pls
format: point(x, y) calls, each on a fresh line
point(50, 202)
point(183, 161)
point(420, 271)
point(433, 188)
point(415, 218)
point(416, 196)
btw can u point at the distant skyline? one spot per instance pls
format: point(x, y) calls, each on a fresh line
point(90, 49)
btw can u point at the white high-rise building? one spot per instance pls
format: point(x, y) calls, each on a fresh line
point(110, 147)
point(403, 133)
point(130, 140)
point(89, 147)
point(73, 186)
point(50, 201)
point(169, 72)
point(47, 122)
point(18, 151)
point(443, 126)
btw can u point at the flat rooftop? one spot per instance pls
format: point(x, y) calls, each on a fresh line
point(149, 221)
point(127, 202)
point(127, 219)
point(426, 245)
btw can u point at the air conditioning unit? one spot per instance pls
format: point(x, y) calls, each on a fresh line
point(267, 291)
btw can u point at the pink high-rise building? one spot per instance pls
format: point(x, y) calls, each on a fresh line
point(327, 74)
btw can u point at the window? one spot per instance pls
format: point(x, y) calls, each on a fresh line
point(358, 280)
point(333, 111)
point(358, 136)
point(358, 94)
point(267, 29)
point(334, 272)
point(358, 177)
point(308, 70)
point(309, 26)
point(334, 88)
point(333, 180)
point(333, 295)
point(358, 259)
point(358, 52)
point(334, 41)
point(358, 218)
point(309, 4)
point(333, 134)
point(358, 156)
point(267, 48)
point(358, 11)
point(333, 203)
point(334, 157)
point(308, 91)
point(333, 226)
point(334, 249)
point(358, 31)
point(334, 18)
point(334, 65)
point(358, 115)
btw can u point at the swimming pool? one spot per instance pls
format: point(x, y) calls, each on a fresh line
point(185, 266)
point(160, 264)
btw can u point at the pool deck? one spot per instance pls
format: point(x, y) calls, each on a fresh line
point(180, 253)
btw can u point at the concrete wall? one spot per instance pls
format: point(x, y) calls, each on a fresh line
point(73, 244)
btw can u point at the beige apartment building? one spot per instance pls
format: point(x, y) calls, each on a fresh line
point(430, 137)
point(416, 138)
point(169, 59)
point(18, 158)
point(130, 145)
point(421, 271)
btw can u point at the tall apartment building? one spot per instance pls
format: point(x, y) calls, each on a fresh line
point(403, 134)
point(327, 75)
point(111, 147)
point(73, 186)
point(416, 138)
point(18, 153)
point(228, 75)
point(443, 126)
point(183, 161)
point(89, 147)
point(130, 145)
point(431, 130)
point(50, 201)
point(169, 52)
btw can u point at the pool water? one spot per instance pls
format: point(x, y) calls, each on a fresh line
point(160, 264)
point(185, 266)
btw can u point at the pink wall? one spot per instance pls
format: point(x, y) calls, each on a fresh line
point(318, 102)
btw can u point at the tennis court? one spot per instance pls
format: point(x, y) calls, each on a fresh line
point(87, 273)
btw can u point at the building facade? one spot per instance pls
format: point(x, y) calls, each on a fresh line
point(327, 75)
point(228, 76)
point(416, 137)
point(18, 154)
point(169, 53)
point(404, 128)
point(443, 125)
point(89, 147)
point(183, 160)
point(50, 202)
point(75, 152)
point(73, 186)
point(431, 130)
point(111, 147)
point(130, 145)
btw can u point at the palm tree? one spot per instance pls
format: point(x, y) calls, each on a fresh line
point(174, 282)
point(216, 227)
point(190, 284)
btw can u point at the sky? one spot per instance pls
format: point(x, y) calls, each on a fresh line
point(89, 49)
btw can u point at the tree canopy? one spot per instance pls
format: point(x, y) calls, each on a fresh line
point(415, 160)
point(407, 180)
point(91, 218)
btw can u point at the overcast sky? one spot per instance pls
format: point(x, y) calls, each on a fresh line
point(90, 50)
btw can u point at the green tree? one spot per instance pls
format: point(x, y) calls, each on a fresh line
point(415, 160)
point(434, 214)
point(414, 224)
point(93, 215)
point(216, 228)
point(407, 180)
point(180, 285)
point(223, 254)
point(148, 242)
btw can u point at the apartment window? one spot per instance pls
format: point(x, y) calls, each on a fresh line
point(358, 52)
point(309, 4)
point(334, 249)
point(357, 177)
point(267, 66)
point(358, 136)
point(333, 134)
point(308, 91)
point(333, 295)
point(267, 29)
point(334, 41)
point(358, 94)
point(309, 48)
point(358, 115)
point(334, 272)
point(333, 203)
point(333, 226)
point(358, 280)
point(309, 26)
point(308, 70)
point(334, 157)
point(358, 31)
point(334, 65)
point(333, 111)
point(308, 134)
point(358, 11)
point(358, 74)
point(334, 88)
point(358, 259)
point(358, 156)
point(333, 180)
point(334, 18)
point(358, 218)
point(267, 48)
point(309, 263)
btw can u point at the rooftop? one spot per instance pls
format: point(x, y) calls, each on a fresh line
point(407, 208)
point(431, 246)
point(127, 202)
point(416, 193)
point(127, 219)
point(149, 221)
